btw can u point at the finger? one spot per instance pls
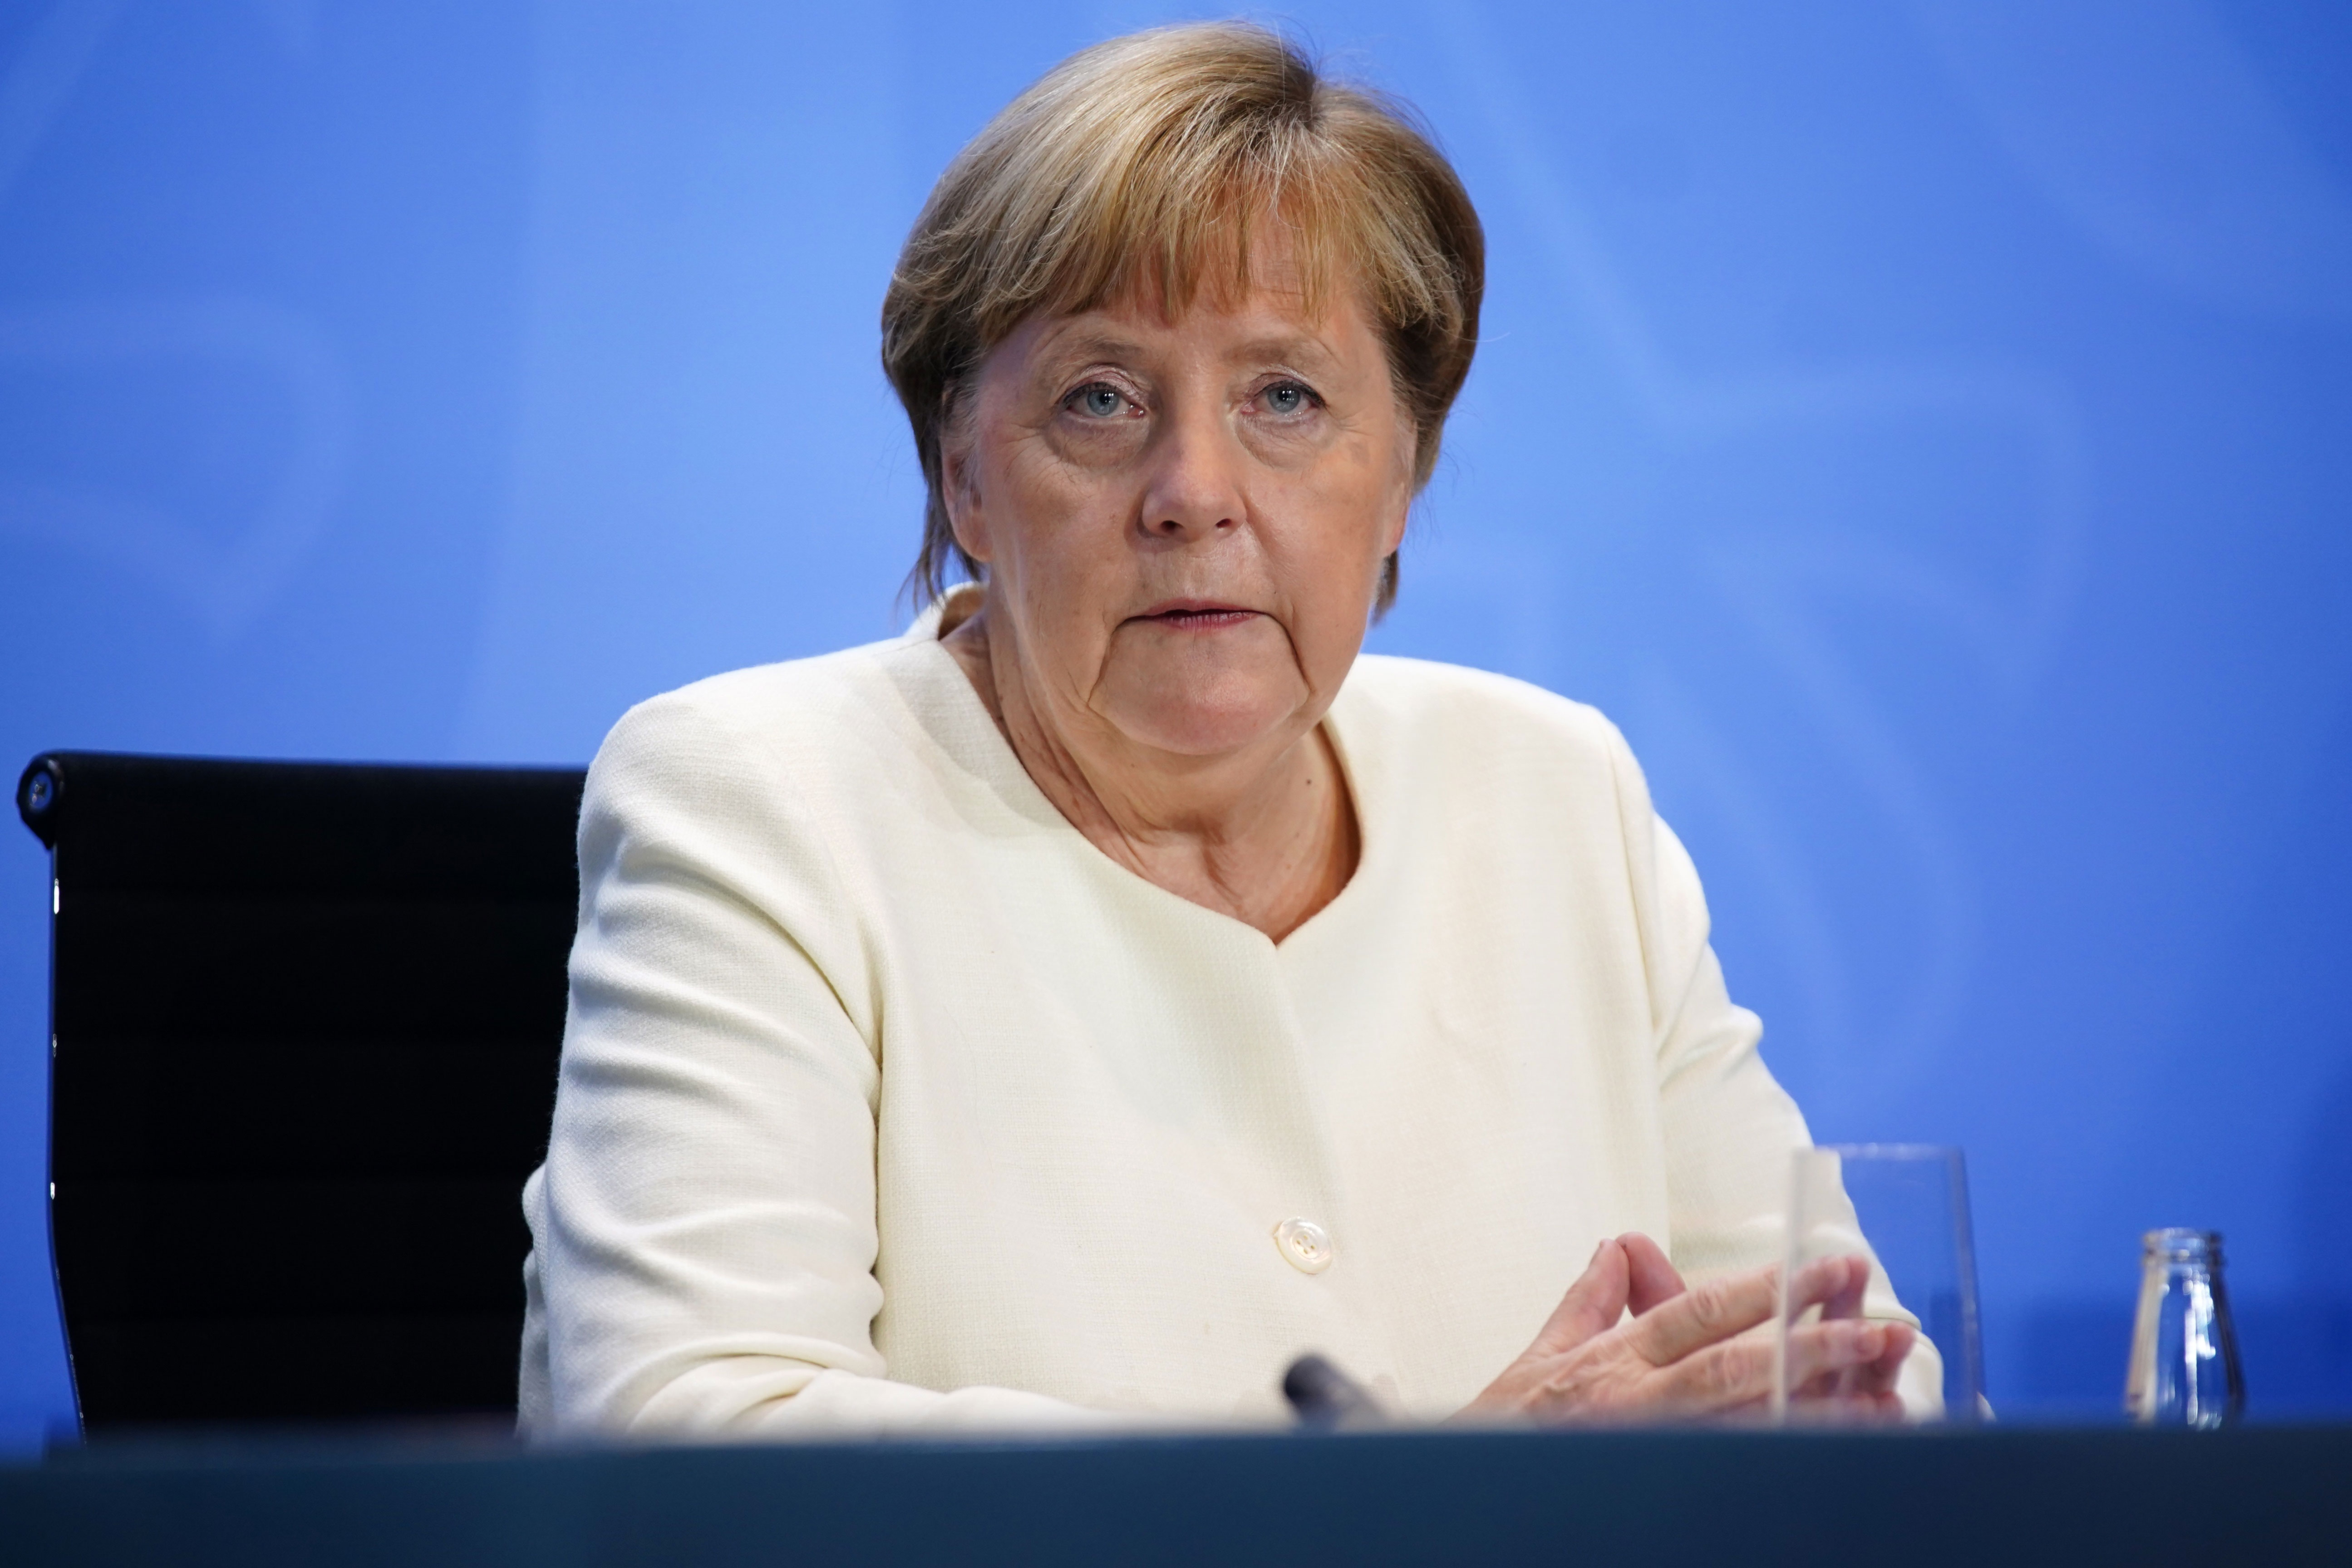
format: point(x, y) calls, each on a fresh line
point(1825, 1280)
point(1873, 1377)
point(1712, 1312)
point(1878, 1410)
point(1847, 1410)
point(1879, 1376)
point(1821, 1380)
point(1591, 1306)
point(1823, 1385)
point(1702, 1315)
point(1732, 1375)
point(1825, 1354)
point(1740, 1373)
point(1652, 1277)
point(1841, 1282)
point(1844, 1300)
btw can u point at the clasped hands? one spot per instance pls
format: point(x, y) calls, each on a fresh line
point(1691, 1352)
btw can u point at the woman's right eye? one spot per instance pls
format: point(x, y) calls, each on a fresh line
point(1098, 400)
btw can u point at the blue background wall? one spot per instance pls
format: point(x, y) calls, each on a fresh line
point(1925, 427)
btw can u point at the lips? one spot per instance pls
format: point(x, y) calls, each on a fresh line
point(1197, 614)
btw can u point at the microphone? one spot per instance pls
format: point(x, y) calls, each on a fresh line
point(1327, 1399)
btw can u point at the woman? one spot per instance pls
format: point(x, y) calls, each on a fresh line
point(1077, 1009)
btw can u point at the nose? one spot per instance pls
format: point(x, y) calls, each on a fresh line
point(1193, 489)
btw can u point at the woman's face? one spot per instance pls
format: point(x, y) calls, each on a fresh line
point(1185, 521)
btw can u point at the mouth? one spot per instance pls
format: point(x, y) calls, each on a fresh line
point(1197, 614)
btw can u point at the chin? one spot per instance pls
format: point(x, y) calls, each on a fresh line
point(1206, 737)
point(1206, 701)
point(1207, 723)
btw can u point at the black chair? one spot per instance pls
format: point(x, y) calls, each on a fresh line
point(305, 1020)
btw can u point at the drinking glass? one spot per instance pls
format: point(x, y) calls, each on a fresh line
point(1906, 1205)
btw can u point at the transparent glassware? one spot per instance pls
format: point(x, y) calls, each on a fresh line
point(2184, 1367)
point(1905, 1206)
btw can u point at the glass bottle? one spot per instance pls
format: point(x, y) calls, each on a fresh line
point(2184, 1356)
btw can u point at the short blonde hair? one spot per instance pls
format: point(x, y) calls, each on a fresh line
point(1145, 162)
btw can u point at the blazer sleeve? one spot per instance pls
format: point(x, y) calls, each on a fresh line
point(704, 1225)
point(1729, 1128)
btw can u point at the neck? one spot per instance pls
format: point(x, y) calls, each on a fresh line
point(1266, 836)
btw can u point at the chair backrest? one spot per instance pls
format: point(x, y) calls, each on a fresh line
point(304, 1020)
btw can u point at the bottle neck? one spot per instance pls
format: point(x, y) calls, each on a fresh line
point(2200, 1251)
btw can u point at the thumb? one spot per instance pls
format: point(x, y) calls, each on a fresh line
point(1652, 1280)
point(1592, 1305)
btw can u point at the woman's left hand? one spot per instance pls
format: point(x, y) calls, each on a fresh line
point(1708, 1352)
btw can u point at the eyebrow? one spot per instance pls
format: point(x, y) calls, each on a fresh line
point(1299, 348)
point(1296, 347)
point(1094, 345)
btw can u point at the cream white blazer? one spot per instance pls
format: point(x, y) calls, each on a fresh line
point(889, 1102)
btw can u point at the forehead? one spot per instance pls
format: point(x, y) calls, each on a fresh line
point(1267, 320)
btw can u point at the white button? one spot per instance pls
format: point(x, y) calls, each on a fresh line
point(1307, 1244)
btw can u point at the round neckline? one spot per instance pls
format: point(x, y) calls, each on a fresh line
point(1006, 761)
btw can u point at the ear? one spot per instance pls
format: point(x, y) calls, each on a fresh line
point(1408, 453)
point(959, 487)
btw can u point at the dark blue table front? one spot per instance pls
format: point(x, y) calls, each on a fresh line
point(2264, 1495)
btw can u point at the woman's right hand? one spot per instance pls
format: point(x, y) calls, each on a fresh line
point(1693, 1352)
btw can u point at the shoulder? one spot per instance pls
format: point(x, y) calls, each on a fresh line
point(796, 706)
point(1493, 759)
point(751, 741)
point(1504, 778)
point(1441, 713)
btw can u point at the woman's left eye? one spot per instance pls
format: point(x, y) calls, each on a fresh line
point(1285, 397)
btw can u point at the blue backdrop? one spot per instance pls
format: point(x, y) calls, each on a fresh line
point(1925, 427)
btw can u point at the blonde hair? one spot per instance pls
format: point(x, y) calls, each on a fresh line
point(1147, 162)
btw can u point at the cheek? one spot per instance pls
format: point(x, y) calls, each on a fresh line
point(1072, 552)
point(1062, 560)
point(1026, 507)
point(1353, 521)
